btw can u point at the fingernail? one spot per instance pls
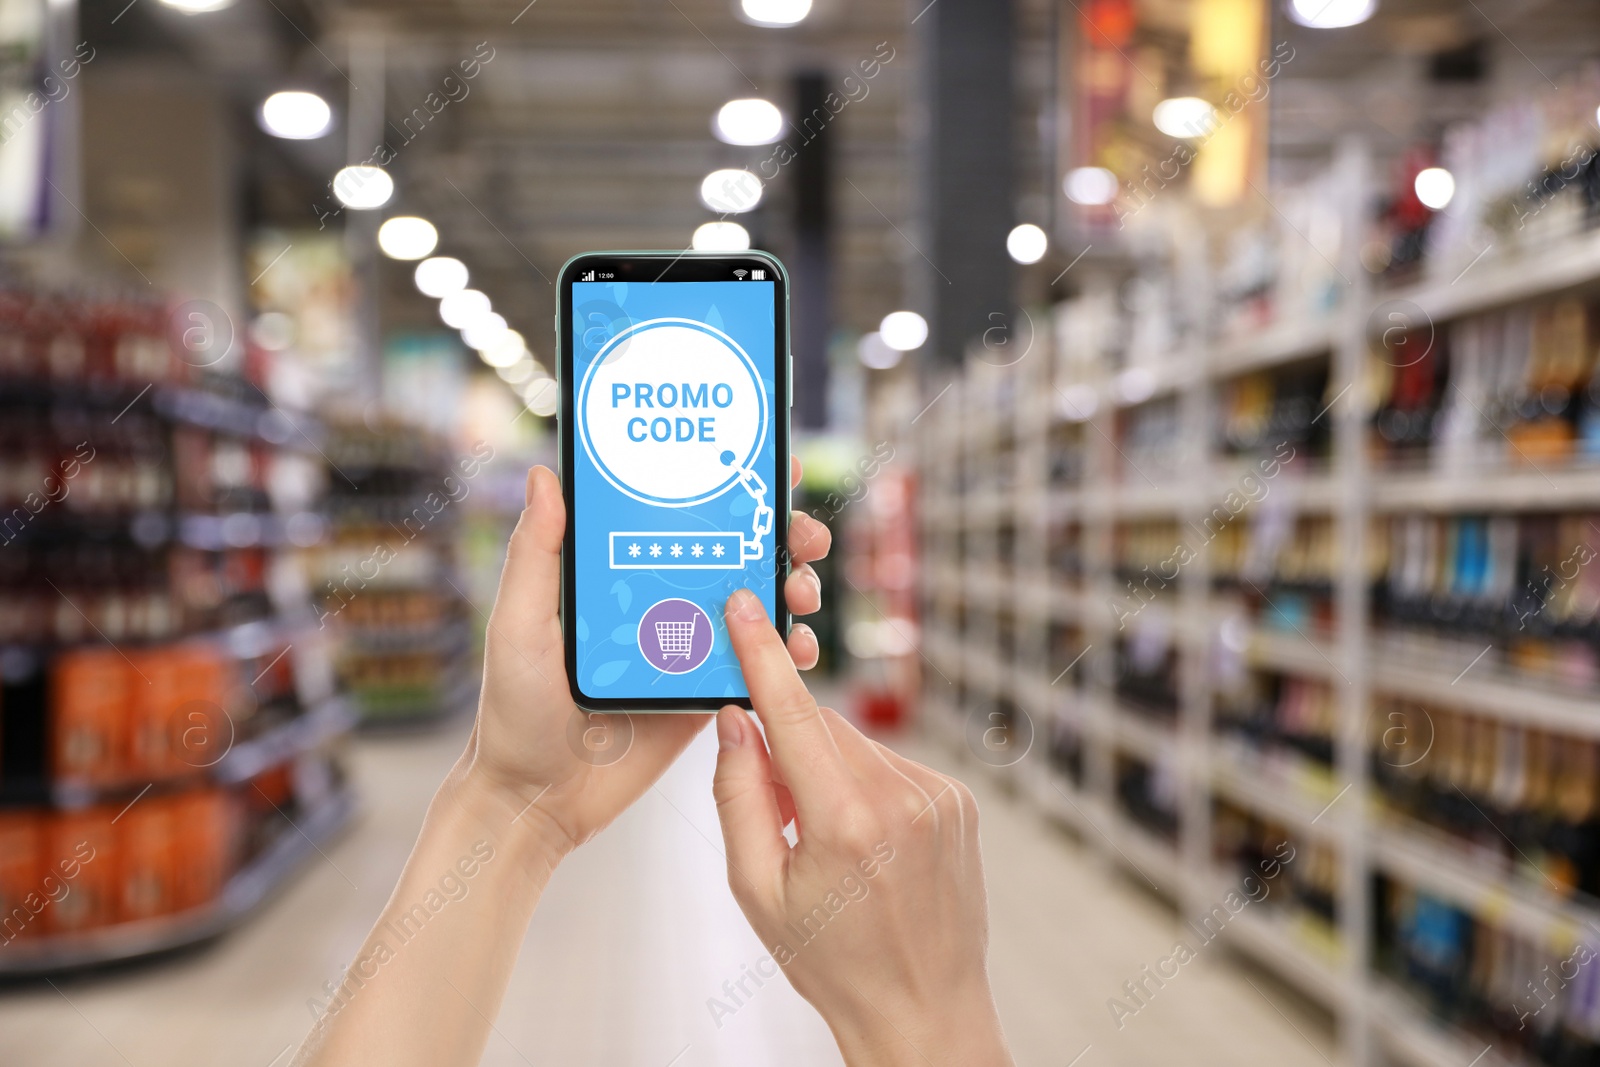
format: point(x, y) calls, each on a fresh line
point(730, 732)
point(746, 606)
point(802, 628)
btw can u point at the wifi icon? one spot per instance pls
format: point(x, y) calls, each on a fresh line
point(740, 274)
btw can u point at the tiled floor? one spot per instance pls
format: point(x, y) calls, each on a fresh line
point(638, 931)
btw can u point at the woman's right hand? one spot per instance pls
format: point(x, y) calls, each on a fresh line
point(878, 916)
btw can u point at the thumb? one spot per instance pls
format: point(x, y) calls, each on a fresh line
point(530, 584)
point(747, 804)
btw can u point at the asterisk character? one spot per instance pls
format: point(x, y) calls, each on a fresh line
point(697, 550)
point(717, 550)
point(677, 550)
point(633, 550)
point(655, 550)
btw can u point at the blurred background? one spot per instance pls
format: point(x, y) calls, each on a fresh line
point(1203, 396)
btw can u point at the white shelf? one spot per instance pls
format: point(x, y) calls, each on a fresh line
point(1291, 653)
point(1296, 494)
point(986, 507)
point(1067, 504)
point(1509, 278)
point(1041, 699)
point(1139, 735)
point(1306, 809)
point(1276, 942)
point(1175, 372)
point(1138, 499)
point(1480, 885)
point(1050, 599)
point(1413, 1037)
point(982, 669)
point(1145, 854)
point(1283, 342)
point(989, 586)
point(1484, 690)
point(1553, 485)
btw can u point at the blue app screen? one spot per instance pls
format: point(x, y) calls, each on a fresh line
point(675, 429)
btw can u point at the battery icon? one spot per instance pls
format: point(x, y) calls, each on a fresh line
point(758, 275)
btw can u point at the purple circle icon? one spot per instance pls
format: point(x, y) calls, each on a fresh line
point(675, 636)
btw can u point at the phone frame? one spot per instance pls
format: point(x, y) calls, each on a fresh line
point(646, 267)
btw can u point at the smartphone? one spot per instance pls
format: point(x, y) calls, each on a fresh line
point(674, 434)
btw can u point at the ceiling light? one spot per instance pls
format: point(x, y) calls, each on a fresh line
point(484, 331)
point(874, 352)
point(520, 371)
point(750, 121)
point(1185, 116)
point(730, 191)
point(362, 187)
point(1435, 186)
point(720, 237)
point(462, 309)
point(407, 237)
point(1331, 14)
point(273, 330)
point(297, 116)
point(544, 399)
point(1027, 243)
point(1135, 385)
point(1077, 402)
point(1090, 185)
point(775, 12)
point(197, 7)
point(504, 350)
point(439, 276)
point(541, 380)
point(903, 330)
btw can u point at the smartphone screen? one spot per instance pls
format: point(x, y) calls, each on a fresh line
point(678, 493)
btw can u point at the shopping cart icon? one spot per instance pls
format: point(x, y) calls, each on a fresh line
point(675, 635)
point(675, 638)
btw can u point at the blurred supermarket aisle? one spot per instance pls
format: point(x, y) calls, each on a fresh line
point(638, 931)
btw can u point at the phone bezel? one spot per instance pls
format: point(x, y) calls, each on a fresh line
point(645, 268)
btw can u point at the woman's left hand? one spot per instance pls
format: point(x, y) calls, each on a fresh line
point(534, 754)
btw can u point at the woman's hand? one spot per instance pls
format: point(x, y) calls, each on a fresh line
point(878, 915)
point(534, 782)
point(534, 756)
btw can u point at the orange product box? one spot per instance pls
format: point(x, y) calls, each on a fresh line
point(204, 822)
point(147, 854)
point(79, 848)
point(178, 725)
point(274, 785)
point(89, 698)
point(20, 874)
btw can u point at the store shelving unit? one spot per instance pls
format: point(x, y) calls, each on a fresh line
point(406, 654)
point(167, 710)
point(1007, 620)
